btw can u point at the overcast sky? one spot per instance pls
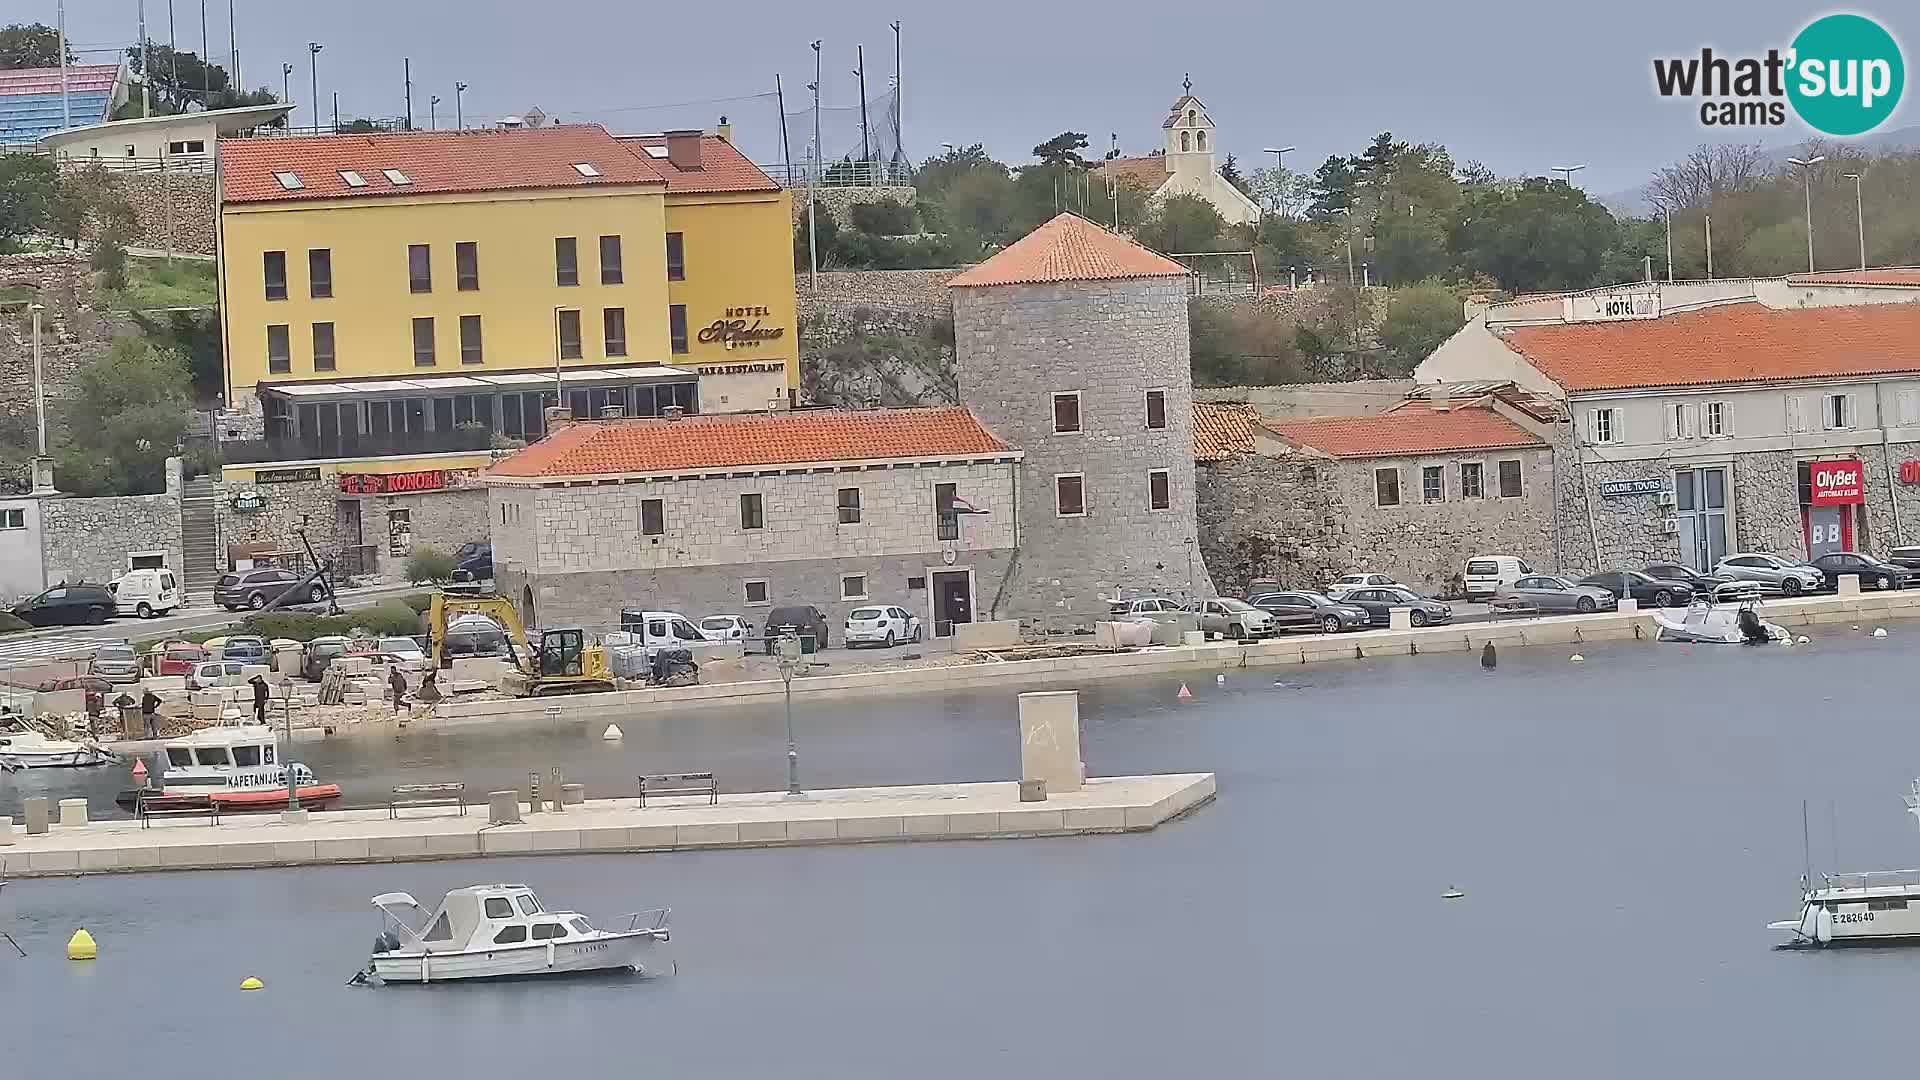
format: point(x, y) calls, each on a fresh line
point(1520, 86)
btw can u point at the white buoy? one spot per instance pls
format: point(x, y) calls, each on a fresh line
point(1452, 894)
point(1879, 631)
point(1577, 658)
point(1856, 627)
point(1803, 640)
point(1221, 678)
point(612, 734)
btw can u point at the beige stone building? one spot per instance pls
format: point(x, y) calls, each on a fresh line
point(1186, 163)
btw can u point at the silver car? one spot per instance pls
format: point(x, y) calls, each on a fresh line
point(1234, 618)
point(1543, 592)
point(1771, 573)
point(116, 662)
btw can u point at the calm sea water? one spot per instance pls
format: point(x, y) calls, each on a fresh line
point(1623, 830)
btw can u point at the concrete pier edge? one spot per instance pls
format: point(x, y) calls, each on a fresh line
point(983, 811)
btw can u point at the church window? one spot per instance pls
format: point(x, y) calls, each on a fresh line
point(1190, 115)
point(1185, 142)
point(1200, 139)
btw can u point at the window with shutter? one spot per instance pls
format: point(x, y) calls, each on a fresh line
point(1796, 415)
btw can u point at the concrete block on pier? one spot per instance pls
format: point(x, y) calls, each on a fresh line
point(73, 812)
point(6, 831)
point(1050, 740)
point(1848, 584)
point(986, 635)
point(38, 814)
point(503, 808)
point(1399, 618)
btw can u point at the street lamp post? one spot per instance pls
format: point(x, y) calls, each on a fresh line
point(1806, 176)
point(813, 179)
point(313, 75)
point(433, 113)
point(42, 464)
point(1860, 216)
point(791, 664)
point(459, 115)
point(1279, 167)
point(1566, 172)
point(286, 83)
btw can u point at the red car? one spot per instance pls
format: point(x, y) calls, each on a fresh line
point(175, 657)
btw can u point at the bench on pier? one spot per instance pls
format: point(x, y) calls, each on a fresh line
point(1499, 609)
point(165, 806)
point(686, 783)
point(448, 794)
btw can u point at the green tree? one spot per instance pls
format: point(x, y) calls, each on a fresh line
point(29, 188)
point(30, 45)
point(87, 201)
point(1410, 246)
point(1182, 223)
point(884, 218)
point(1063, 150)
point(180, 79)
point(1230, 172)
point(1241, 345)
point(126, 416)
point(1417, 320)
point(1543, 235)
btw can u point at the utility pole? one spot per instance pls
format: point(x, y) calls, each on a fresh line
point(1709, 218)
point(786, 147)
point(406, 69)
point(1806, 175)
point(899, 143)
point(173, 52)
point(313, 83)
point(1667, 212)
point(146, 66)
point(1860, 216)
point(336, 112)
point(459, 114)
point(66, 108)
point(286, 83)
point(433, 113)
point(860, 73)
point(42, 464)
point(206, 66)
point(233, 49)
point(813, 179)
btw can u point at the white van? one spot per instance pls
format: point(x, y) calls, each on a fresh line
point(1488, 574)
point(146, 593)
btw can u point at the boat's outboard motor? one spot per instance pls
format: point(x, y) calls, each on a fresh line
point(387, 942)
point(1752, 630)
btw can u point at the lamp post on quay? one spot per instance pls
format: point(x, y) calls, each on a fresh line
point(1806, 176)
point(1860, 216)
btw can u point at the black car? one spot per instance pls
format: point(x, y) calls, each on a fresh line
point(1379, 601)
point(262, 585)
point(1702, 584)
point(1874, 573)
point(1643, 588)
point(474, 561)
point(802, 620)
point(1310, 611)
point(1908, 557)
point(67, 605)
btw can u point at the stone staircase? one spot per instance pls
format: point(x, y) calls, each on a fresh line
point(199, 541)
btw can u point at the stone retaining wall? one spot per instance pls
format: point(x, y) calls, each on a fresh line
point(840, 201)
point(189, 226)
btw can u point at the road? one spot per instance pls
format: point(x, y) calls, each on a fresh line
point(65, 642)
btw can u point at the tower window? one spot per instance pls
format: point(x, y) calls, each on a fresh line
point(1186, 141)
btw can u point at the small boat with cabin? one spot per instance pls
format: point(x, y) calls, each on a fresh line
point(1877, 907)
point(505, 932)
point(234, 765)
point(1732, 617)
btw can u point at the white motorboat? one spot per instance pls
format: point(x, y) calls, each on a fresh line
point(233, 764)
point(1720, 624)
point(32, 750)
point(504, 932)
point(1878, 907)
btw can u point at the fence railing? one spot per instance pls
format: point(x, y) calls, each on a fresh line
point(842, 174)
point(350, 444)
point(179, 164)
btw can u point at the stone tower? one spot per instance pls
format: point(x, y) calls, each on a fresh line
point(1190, 138)
point(1071, 344)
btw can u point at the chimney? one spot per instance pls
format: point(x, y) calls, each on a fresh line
point(725, 130)
point(683, 149)
point(1440, 398)
point(557, 417)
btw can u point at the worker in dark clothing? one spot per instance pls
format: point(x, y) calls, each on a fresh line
point(150, 713)
point(397, 685)
point(259, 698)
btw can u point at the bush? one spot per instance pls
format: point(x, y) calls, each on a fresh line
point(110, 259)
point(428, 564)
point(10, 624)
point(888, 217)
point(296, 625)
point(419, 601)
point(389, 619)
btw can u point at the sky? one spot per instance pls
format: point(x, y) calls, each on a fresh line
point(1519, 87)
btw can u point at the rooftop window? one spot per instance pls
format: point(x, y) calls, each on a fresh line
point(657, 152)
point(585, 169)
point(353, 179)
point(396, 177)
point(290, 181)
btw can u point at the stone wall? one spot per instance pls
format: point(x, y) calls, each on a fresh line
point(1362, 397)
point(1263, 517)
point(594, 599)
point(89, 539)
point(442, 520)
point(73, 334)
point(1110, 341)
point(191, 221)
point(919, 294)
point(877, 338)
point(840, 201)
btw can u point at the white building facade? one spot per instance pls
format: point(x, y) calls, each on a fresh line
point(1187, 164)
point(1708, 418)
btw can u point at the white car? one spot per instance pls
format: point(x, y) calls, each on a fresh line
point(404, 653)
point(1359, 581)
point(726, 628)
point(884, 626)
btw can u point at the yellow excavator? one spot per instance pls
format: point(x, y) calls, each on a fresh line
point(560, 662)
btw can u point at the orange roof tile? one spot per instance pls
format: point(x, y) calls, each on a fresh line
point(1908, 276)
point(1729, 343)
point(1405, 432)
point(437, 162)
point(1222, 429)
point(1069, 248)
point(737, 440)
point(722, 166)
point(1146, 172)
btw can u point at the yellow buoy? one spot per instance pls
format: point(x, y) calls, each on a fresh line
point(80, 946)
point(251, 983)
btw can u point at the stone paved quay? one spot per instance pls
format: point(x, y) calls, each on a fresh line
point(760, 819)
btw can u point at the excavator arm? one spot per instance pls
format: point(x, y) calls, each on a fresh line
point(445, 607)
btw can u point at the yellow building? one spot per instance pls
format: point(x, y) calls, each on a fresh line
point(416, 292)
point(395, 307)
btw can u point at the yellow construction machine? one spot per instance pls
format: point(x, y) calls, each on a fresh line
point(560, 662)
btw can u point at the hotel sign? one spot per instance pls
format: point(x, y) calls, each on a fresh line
point(740, 327)
point(1618, 305)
